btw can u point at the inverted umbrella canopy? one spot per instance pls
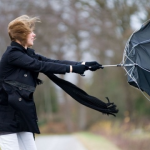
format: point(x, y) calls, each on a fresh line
point(136, 58)
point(137, 54)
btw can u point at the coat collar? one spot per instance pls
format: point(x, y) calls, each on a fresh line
point(13, 43)
point(28, 50)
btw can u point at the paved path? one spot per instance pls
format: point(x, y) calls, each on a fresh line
point(58, 142)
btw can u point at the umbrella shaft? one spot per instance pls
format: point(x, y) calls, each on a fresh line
point(119, 65)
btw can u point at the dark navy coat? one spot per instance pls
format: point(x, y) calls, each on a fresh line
point(17, 107)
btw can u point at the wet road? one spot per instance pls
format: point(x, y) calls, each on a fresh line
point(58, 142)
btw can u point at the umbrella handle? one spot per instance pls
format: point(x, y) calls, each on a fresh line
point(119, 65)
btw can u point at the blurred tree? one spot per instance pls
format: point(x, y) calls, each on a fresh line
point(113, 18)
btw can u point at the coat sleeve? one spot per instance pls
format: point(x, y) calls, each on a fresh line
point(19, 59)
point(43, 58)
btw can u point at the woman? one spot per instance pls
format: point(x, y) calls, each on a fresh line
point(19, 69)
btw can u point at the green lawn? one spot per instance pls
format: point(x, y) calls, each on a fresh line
point(94, 142)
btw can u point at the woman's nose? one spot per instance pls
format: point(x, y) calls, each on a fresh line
point(34, 35)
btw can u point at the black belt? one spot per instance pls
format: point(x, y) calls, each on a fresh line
point(21, 85)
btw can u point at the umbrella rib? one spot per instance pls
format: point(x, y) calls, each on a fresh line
point(143, 42)
point(131, 70)
point(130, 75)
point(127, 44)
point(129, 59)
point(143, 68)
point(125, 50)
point(125, 55)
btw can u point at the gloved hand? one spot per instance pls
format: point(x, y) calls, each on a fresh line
point(93, 65)
point(80, 69)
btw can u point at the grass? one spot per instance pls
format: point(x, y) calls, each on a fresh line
point(94, 142)
point(125, 135)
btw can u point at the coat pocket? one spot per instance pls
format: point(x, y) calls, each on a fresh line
point(17, 101)
point(20, 104)
point(26, 95)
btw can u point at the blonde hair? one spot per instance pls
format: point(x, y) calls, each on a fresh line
point(19, 28)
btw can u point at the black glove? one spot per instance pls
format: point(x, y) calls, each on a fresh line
point(80, 69)
point(93, 65)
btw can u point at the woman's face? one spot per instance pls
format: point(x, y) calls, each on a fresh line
point(30, 39)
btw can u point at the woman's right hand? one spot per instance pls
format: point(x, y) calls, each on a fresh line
point(80, 69)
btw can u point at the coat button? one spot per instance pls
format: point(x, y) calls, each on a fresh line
point(20, 99)
point(25, 75)
point(20, 88)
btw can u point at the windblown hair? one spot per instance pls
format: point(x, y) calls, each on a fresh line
point(19, 28)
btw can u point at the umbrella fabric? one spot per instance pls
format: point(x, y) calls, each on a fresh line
point(137, 52)
point(144, 80)
point(83, 98)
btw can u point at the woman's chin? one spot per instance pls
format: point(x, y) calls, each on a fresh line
point(31, 44)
